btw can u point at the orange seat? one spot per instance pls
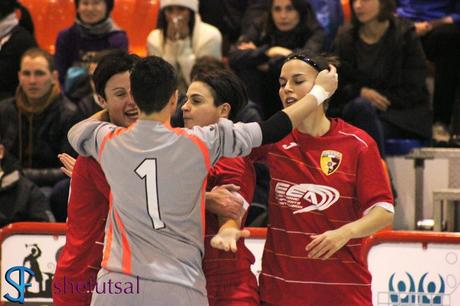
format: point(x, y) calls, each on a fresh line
point(136, 17)
point(50, 17)
point(346, 10)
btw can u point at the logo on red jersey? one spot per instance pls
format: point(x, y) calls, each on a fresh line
point(289, 146)
point(321, 197)
point(330, 161)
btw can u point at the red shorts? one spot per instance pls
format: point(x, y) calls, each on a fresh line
point(242, 293)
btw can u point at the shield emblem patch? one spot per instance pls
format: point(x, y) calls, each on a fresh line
point(330, 161)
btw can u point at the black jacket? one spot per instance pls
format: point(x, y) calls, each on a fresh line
point(20, 199)
point(399, 74)
point(230, 16)
point(10, 55)
point(49, 134)
point(309, 36)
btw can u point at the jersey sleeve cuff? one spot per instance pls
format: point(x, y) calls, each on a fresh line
point(385, 205)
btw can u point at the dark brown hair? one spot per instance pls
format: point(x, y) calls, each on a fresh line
point(387, 9)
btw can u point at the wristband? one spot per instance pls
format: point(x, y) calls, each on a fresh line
point(319, 93)
point(239, 196)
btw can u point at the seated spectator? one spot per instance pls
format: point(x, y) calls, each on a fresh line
point(262, 48)
point(93, 30)
point(181, 37)
point(383, 73)
point(20, 199)
point(14, 41)
point(34, 123)
point(230, 17)
point(437, 22)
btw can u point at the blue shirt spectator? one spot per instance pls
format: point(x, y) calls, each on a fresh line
point(424, 10)
point(330, 15)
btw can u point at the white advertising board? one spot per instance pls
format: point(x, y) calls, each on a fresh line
point(256, 246)
point(36, 252)
point(410, 273)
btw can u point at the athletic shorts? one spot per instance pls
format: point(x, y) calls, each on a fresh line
point(243, 293)
point(118, 289)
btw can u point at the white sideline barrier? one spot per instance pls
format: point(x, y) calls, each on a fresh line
point(408, 268)
point(255, 243)
point(19, 239)
point(414, 268)
point(35, 246)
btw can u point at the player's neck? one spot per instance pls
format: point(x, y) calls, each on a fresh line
point(316, 125)
point(162, 116)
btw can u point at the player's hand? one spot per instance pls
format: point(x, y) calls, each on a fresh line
point(68, 162)
point(328, 79)
point(226, 239)
point(222, 202)
point(178, 28)
point(378, 100)
point(328, 243)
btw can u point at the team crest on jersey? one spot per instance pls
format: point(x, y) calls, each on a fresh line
point(330, 161)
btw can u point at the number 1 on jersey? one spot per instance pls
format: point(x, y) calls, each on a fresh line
point(147, 171)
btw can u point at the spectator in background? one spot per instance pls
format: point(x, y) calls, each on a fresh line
point(330, 15)
point(262, 48)
point(383, 72)
point(34, 123)
point(181, 37)
point(93, 30)
point(437, 22)
point(231, 16)
point(14, 41)
point(21, 200)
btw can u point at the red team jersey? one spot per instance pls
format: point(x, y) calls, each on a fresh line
point(319, 184)
point(228, 275)
point(81, 257)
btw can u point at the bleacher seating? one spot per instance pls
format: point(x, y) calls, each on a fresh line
point(136, 17)
point(397, 147)
point(346, 10)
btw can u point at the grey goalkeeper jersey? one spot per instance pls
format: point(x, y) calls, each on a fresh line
point(157, 176)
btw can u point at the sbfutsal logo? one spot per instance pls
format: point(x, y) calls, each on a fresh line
point(330, 161)
point(319, 196)
point(20, 286)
